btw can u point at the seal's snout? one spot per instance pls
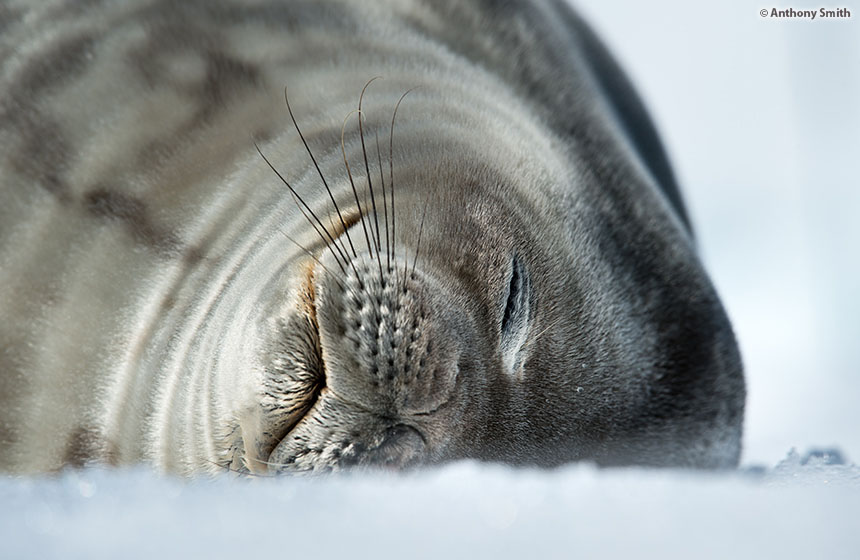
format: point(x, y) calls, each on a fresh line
point(401, 447)
point(385, 341)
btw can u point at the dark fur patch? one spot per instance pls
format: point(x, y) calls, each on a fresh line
point(8, 17)
point(133, 213)
point(83, 447)
point(66, 60)
point(42, 154)
point(224, 76)
point(193, 256)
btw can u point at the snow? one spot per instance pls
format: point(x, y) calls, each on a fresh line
point(463, 510)
point(762, 123)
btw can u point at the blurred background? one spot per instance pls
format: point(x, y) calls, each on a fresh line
point(761, 121)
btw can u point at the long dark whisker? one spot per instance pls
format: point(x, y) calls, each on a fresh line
point(334, 228)
point(325, 183)
point(302, 210)
point(352, 183)
point(293, 191)
point(349, 261)
point(384, 206)
point(391, 175)
point(378, 259)
point(366, 165)
point(311, 255)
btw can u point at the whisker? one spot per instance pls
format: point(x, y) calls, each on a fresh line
point(391, 176)
point(352, 182)
point(384, 206)
point(366, 165)
point(311, 255)
point(421, 230)
point(406, 263)
point(317, 230)
point(367, 207)
point(333, 228)
point(293, 191)
point(325, 183)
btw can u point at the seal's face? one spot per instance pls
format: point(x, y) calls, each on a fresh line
point(516, 334)
point(406, 352)
point(416, 350)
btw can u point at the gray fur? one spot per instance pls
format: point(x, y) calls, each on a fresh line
point(156, 305)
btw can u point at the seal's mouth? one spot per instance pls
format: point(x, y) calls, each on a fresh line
point(295, 387)
point(294, 378)
point(304, 389)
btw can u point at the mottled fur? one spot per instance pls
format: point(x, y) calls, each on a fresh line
point(155, 304)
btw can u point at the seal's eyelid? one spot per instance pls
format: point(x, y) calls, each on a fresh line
point(515, 317)
point(513, 302)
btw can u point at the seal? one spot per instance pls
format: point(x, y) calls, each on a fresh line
point(481, 254)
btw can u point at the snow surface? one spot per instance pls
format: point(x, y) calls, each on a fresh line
point(461, 511)
point(762, 123)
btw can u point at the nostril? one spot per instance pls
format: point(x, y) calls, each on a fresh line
point(402, 446)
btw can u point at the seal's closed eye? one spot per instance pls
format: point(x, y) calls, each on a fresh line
point(515, 319)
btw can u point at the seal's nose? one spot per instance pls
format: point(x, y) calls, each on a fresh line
point(402, 446)
point(386, 339)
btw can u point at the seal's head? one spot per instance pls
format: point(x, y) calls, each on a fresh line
point(509, 330)
point(516, 302)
